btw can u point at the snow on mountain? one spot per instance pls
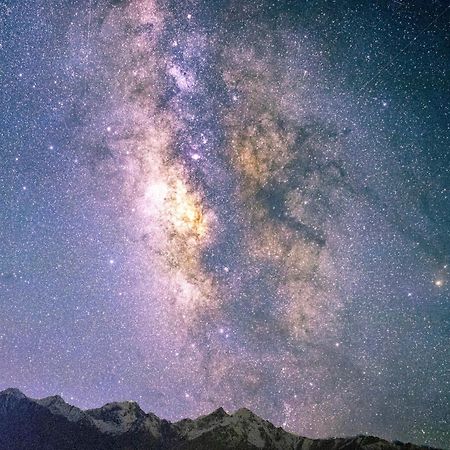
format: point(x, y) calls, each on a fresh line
point(53, 424)
point(242, 426)
point(122, 417)
point(56, 405)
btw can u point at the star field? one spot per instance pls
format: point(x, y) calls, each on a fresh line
point(230, 204)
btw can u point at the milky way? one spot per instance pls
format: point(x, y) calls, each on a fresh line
point(229, 204)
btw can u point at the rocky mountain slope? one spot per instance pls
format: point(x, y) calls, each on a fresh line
point(52, 424)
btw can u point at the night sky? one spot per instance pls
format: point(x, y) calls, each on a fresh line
point(211, 203)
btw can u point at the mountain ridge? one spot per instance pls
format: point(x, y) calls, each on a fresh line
point(51, 423)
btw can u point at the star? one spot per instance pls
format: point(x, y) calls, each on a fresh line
point(229, 206)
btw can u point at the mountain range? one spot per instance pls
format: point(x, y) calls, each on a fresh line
point(52, 424)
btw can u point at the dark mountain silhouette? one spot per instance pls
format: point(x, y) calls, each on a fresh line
point(52, 424)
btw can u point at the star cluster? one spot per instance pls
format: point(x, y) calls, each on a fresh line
point(229, 204)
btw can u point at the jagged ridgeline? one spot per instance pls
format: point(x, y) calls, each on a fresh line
point(52, 424)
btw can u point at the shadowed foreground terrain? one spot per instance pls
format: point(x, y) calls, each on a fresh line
point(52, 424)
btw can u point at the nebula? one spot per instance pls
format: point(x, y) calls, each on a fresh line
point(232, 194)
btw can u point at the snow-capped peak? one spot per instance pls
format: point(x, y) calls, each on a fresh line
point(120, 417)
point(240, 427)
point(56, 405)
point(124, 425)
